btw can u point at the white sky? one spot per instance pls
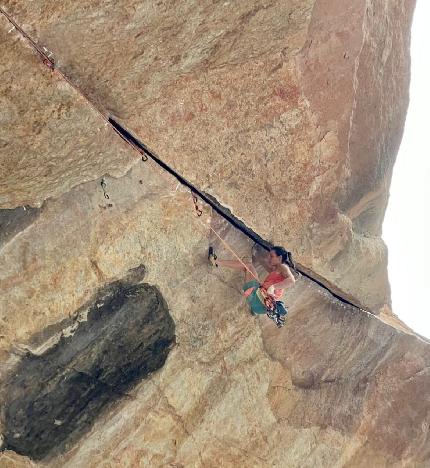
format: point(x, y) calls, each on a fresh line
point(406, 228)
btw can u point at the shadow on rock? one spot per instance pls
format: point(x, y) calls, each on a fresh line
point(53, 398)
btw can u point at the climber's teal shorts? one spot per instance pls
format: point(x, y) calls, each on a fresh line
point(250, 289)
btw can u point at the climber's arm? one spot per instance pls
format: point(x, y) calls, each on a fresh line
point(289, 279)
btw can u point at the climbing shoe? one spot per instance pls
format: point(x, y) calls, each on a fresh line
point(212, 257)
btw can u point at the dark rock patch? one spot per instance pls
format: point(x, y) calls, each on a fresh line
point(52, 399)
point(13, 221)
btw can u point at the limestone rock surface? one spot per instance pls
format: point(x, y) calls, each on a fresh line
point(288, 113)
point(335, 387)
point(50, 138)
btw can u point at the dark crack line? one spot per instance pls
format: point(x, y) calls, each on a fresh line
point(50, 62)
point(46, 59)
point(215, 205)
point(145, 152)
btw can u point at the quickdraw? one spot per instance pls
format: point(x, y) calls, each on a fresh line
point(199, 211)
point(48, 62)
point(103, 185)
point(144, 156)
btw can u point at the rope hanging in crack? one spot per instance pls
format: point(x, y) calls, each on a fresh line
point(141, 148)
point(44, 53)
point(145, 153)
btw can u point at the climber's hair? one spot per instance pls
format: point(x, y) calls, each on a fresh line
point(286, 256)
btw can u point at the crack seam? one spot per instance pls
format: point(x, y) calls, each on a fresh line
point(144, 151)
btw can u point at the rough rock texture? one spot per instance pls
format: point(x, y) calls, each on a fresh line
point(290, 114)
point(50, 138)
point(335, 387)
point(14, 221)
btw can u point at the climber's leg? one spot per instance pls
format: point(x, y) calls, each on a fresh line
point(248, 268)
point(235, 264)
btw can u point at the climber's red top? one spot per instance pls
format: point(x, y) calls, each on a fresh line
point(273, 278)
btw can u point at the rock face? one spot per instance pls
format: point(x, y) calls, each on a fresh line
point(289, 114)
point(14, 221)
point(50, 138)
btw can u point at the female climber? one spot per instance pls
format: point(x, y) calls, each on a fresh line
point(279, 278)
